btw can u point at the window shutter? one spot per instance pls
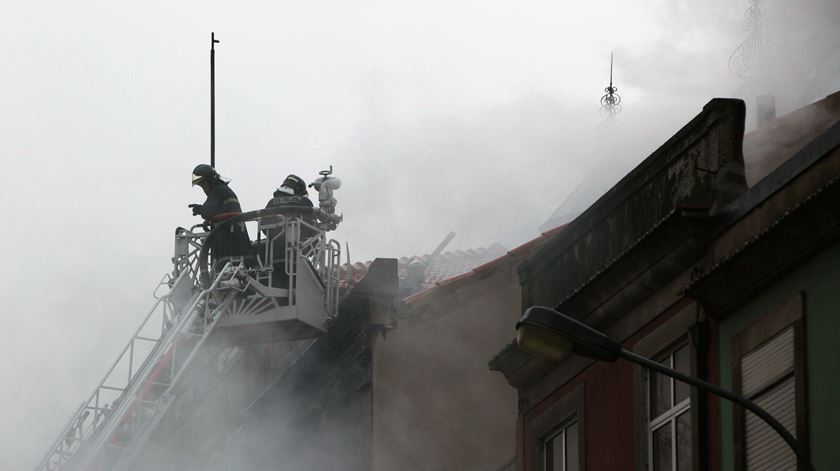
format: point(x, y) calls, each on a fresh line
point(767, 363)
point(765, 448)
point(767, 378)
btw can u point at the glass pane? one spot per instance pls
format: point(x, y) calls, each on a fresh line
point(684, 441)
point(681, 364)
point(660, 391)
point(548, 458)
point(572, 455)
point(554, 453)
point(557, 446)
point(661, 441)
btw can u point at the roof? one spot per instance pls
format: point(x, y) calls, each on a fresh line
point(451, 269)
point(768, 147)
point(784, 219)
point(699, 167)
point(463, 278)
point(445, 266)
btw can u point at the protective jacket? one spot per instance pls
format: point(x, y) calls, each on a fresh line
point(292, 206)
point(222, 204)
point(294, 203)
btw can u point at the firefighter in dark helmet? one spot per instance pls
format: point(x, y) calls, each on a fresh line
point(292, 194)
point(292, 197)
point(221, 204)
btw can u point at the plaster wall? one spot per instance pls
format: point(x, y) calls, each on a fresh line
point(436, 405)
point(820, 279)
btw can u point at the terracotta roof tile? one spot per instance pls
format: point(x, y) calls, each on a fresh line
point(522, 249)
point(447, 265)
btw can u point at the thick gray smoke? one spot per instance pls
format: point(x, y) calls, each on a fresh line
point(474, 117)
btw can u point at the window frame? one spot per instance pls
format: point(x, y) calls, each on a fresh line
point(671, 333)
point(676, 410)
point(789, 314)
point(569, 409)
point(561, 429)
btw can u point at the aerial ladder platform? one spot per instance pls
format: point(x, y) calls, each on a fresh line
point(287, 288)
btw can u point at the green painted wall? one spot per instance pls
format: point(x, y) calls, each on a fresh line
point(820, 279)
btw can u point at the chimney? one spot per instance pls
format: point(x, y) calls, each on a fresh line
point(765, 109)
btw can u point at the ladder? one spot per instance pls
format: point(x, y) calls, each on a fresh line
point(110, 429)
point(117, 429)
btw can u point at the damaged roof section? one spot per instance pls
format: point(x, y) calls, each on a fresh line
point(484, 269)
point(444, 266)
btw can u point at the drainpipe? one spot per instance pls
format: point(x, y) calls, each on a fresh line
point(699, 336)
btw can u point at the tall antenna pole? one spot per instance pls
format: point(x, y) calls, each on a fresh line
point(213, 42)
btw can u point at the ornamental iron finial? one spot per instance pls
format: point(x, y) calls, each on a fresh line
point(611, 101)
point(752, 58)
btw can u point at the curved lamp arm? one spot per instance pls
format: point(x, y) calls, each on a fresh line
point(552, 335)
point(718, 391)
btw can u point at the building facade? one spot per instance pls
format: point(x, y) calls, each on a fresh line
point(669, 262)
point(436, 407)
point(769, 281)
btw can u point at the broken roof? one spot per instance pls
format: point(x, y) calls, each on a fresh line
point(456, 281)
point(444, 266)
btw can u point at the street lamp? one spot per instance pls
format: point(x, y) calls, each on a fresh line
point(551, 335)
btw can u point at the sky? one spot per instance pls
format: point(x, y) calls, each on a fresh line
point(477, 117)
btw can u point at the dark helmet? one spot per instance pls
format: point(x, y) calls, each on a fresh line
point(203, 172)
point(293, 185)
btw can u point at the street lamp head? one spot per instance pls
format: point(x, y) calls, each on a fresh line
point(551, 335)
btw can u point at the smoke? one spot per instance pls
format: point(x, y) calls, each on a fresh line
point(465, 174)
point(473, 117)
point(805, 42)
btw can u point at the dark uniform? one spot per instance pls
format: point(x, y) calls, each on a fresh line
point(293, 205)
point(296, 205)
point(222, 204)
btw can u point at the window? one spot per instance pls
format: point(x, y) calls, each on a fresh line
point(669, 413)
point(769, 369)
point(560, 449)
point(558, 435)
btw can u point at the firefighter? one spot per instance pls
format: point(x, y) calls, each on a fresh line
point(221, 204)
point(293, 198)
point(292, 194)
